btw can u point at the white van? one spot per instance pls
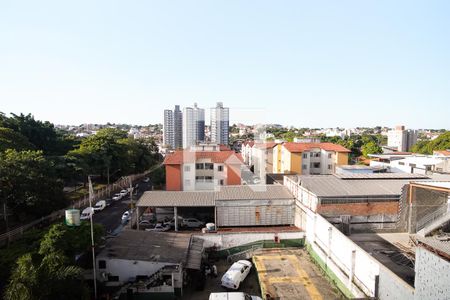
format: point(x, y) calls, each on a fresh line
point(232, 296)
point(100, 205)
point(86, 214)
point(236, 274)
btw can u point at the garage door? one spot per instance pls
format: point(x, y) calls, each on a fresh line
point(254, 215)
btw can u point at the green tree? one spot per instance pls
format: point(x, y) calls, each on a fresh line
point(370, 148)
point(46, 277)
point(442, 142)
point(29, 185)
point(10, 139)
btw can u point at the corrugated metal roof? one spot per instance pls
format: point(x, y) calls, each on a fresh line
point(177, 198)
point(440, 184)
point(434, 242)
point(331, 186)
point(208, 198)
point(253, 192)
point(382, 176)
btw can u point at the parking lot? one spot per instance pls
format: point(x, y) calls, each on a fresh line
point(249, 286)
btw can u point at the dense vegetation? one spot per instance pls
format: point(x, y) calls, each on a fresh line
point(442, 142)
point(48, 268)
point(37, 161)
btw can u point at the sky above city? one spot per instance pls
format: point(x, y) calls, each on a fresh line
point(299, 63)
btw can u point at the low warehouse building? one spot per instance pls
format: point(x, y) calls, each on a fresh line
point(244, 205)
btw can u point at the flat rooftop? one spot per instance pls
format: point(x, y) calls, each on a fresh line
point(290, 274)
point(393, 250)
point(167, 247)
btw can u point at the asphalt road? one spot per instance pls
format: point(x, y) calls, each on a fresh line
point(111, 216)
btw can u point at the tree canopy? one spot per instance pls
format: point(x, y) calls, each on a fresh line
point(442, 142)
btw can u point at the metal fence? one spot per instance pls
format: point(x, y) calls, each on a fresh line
point(83, 202)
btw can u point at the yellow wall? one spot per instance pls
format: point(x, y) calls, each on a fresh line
point(296, 162)
point(341, 158)
point(276, 159)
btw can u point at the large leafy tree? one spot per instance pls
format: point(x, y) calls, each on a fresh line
point(29, 185)
point(370, 148)
point(442, 142)
point(10, 139)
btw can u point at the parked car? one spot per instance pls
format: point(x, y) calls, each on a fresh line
point(192, 223)
point(146, 179)
point(126, 216)
point(86, 213)
point(159, 227)
point(117, 197)
point(100, 205)
point(236, 274)
point(171, 223)
point(232, 296)
point(146, 223)
point(123, 193)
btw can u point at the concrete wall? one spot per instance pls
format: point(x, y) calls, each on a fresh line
point(392, 287)
point(432, 275)
point(229, 240)
point(127, 269)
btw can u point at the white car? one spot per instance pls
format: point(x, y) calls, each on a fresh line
point(232, 296)
point(159, 227)
point(192, 223)
point(126, 216)
point(124, 193)
point(100, 205)
point(117, 197)
point(236, 274)
point(86, 214)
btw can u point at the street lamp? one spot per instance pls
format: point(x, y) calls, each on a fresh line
point(91, 195)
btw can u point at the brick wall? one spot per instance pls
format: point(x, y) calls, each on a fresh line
point(359, 209)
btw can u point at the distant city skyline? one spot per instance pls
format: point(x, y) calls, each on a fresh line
point(298, 64)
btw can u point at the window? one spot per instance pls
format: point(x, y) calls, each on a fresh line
point(199, 177)
point(102, 264)
point(412, 165)
point(316, 165)
point(221, 182)
point(401, 163)
point(304, 167)
point(187, 168)
point(199, 166)
point(329, 167)
point(209, 166)
point(329, 155)
point(208, 178)
point(305, 155)
point(220, 168)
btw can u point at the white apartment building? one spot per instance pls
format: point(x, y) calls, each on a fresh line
point(401, 138)
point(193, 126)
point(220, 124)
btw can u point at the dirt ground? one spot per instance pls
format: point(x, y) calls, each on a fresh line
point(291, 274)
point(249, 286)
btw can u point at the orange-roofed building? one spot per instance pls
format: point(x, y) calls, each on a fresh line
point(308, 158)
point(202, 167)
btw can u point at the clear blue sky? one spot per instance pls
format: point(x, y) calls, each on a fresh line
point(301, 63)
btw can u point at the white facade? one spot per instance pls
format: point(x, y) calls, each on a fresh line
point(432, 279)
point(402, 139)
point(203, 175)
point(416, 164)
point(220, 124)
point(193, 126)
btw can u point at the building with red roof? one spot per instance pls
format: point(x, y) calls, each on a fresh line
point(308, 158)
point(202, 167)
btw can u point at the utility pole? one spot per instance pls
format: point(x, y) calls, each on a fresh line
point(91, 195)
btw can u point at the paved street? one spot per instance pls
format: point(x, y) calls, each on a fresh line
point(111, 216)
